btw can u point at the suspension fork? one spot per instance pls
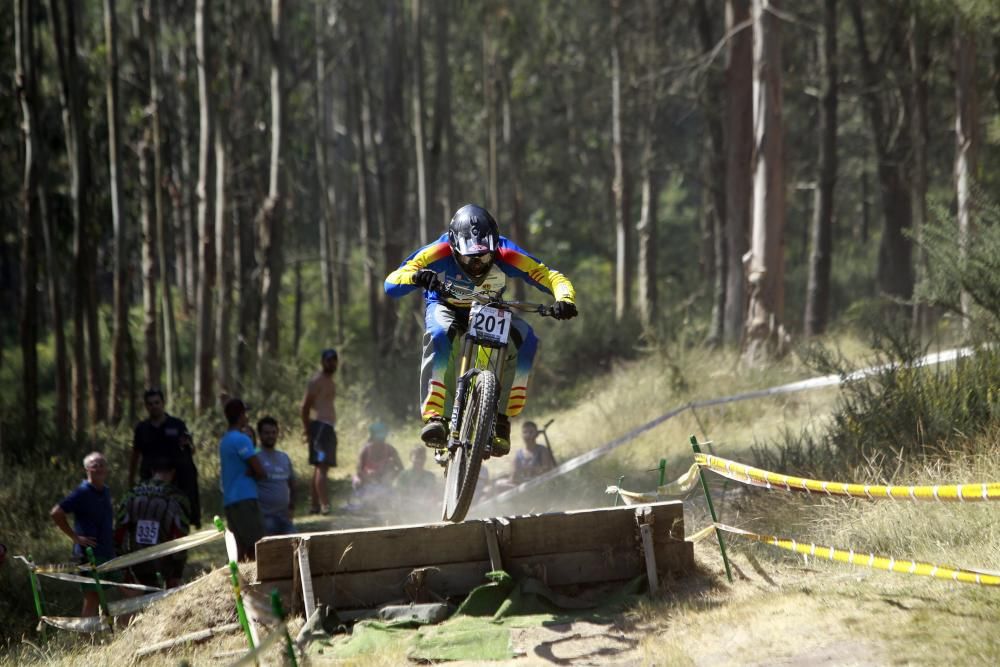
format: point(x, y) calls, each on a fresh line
point(461, 386)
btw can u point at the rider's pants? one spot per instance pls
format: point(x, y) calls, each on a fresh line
point(444, 326)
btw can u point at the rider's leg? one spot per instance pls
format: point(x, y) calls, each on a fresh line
point(434, 394)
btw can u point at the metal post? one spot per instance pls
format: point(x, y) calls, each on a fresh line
point(241, 613)
point(711, 509)
point(103, 601)
point(280, 613)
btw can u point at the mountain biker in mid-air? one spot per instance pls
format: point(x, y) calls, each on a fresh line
point(472, 254)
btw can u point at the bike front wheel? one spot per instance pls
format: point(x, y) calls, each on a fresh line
point(475, 430)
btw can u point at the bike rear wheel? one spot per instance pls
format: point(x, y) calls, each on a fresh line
point(475, 431)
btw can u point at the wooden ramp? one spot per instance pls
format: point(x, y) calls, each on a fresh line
point(360, 569)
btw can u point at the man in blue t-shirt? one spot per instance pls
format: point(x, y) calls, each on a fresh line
point(241, 469)
point(93, 518)
point(276, 494)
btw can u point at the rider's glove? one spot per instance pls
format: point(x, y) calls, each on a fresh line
point(563, 310)
point(427, 279)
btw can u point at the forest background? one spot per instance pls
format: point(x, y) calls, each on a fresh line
point(203, 195)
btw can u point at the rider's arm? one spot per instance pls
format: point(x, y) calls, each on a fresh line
point(517, 263)
point(400, 282)
point(307, 402)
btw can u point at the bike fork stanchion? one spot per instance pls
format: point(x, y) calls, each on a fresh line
point(711, 509)
point(241, 612)
point(103, 601)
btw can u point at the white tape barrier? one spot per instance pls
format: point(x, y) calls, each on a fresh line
point(791, 387)
point(161, 550)
point(107, 583)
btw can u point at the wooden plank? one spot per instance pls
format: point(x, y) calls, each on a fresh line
point(305, 575)
point(649, 555)
point(586, 530)
point(375, 548)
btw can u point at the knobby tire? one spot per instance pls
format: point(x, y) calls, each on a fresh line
point(475, 427)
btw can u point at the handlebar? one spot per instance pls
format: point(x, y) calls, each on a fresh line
point(494, 298)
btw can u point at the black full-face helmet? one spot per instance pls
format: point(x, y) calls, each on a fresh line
point(474, 238)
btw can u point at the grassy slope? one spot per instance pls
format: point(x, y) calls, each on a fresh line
point(825, 605)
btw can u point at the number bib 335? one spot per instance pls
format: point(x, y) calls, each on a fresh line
point(489, 325)
point(147, 532)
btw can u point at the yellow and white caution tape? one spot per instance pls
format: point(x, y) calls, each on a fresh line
point(679, 487)
point(161, 550)
point(251, 657)
point(701, 534)
point(771, 480)
point(870, 560)
point(89, 624)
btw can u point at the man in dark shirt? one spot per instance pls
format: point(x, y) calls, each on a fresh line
point(90, 505)
point(165, 437)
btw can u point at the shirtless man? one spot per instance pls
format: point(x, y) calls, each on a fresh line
point(319, 429)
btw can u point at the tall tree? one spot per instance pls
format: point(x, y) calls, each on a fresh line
point(919, 53)
point(623, 267)
point(270, 225)
point(204, 341)
point(818, 288)
point(25, 81)
point(966, 139)
point(325, 182)
point(169, 337)
point(223, 262)
point(397, 230)
point(418, 115)
point(739, 148)
point(895, 268)
point(442, 131)
point(766, 275)
point(150, 329)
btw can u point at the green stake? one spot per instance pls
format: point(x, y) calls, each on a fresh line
point(280, 613)
point(663, 471)
point(100, 589)
point(619, 494)
point(241, 613)
point(711, 509)
point(221, 527)
point(36, 591)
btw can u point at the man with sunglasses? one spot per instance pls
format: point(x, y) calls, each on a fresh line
point(473, 255)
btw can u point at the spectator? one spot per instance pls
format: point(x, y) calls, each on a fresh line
point(379, 462)
point(240, 471)
point(320, 432)
point(165, 436)
point(276, 493)
point(534, 458)
point(90, 505)
point(154, 512)
point(417, 483)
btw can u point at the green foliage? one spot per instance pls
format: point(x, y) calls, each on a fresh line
point(901, 413)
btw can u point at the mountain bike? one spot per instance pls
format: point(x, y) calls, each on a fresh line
point(479, 378)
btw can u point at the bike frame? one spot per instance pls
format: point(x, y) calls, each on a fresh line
point(468, 368)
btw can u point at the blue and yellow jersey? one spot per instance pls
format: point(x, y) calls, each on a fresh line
point(510, 262)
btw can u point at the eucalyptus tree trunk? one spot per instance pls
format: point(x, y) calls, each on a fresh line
point(187, 276)
point(53, 273)
point(714, 169)
point(513, 146)
point(397, 229)
point(166, 293)
point(204, 340)
point(223, 264)
point(419, 138)
point(766, 276)
point(966, 142)
point(818, 289)
point(623, 268)
point(120, 334)
point(647, 236)
point(327, 184)
point(895, 265)
point(920, 59)
point(25, 82)
point(365, 213)
point(739, 152)
point(150, 325)
point(441, 132)
point(270, 225)
point(489, 73)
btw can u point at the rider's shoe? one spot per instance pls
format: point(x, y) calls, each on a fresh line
point(501, 436)
point(435, 432)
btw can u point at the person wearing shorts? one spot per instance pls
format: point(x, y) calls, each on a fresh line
point(319, 419)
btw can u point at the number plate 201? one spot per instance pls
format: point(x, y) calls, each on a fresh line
point(489, 324)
